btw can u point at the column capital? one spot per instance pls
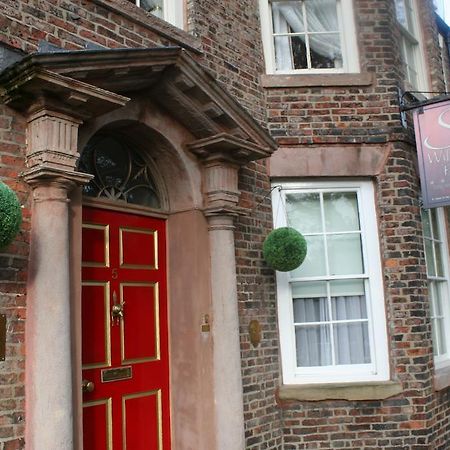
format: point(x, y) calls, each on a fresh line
point(48, 176)
point(220, 218)
point(227, 148)
point(222, 155)
point(52, 140)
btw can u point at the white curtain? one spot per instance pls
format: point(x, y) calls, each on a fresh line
point(351, 340)
point(321, 17)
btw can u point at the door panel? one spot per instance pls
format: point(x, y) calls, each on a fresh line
point(138, 432)
point(97, 425)
point(95, 316)
point(125, 332)
point(141, 339)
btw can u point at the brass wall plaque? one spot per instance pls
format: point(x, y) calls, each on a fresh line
point(2, 337)
point(116, 374)
point(254, 329)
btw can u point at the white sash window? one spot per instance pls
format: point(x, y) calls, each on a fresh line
point(436, 253)
point(410, 45)
point(170, 10)
point(316, 36)
point(331, 309)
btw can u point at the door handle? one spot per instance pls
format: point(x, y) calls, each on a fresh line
point(87, 386)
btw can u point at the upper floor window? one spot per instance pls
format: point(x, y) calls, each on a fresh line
point(309, 36)
point(436, 251)
point(169, 10)
point(331, 310)
point(410, 47)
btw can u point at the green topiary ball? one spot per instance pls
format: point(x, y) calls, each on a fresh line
point(284, 249)
point(10, 215)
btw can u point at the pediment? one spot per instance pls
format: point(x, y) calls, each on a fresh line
point(168, 75)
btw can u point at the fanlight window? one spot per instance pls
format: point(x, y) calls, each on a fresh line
point(120, 173)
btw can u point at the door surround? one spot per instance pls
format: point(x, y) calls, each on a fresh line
point(212, 136)
point(188, 271)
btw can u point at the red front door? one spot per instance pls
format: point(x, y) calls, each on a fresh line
point(124, 336)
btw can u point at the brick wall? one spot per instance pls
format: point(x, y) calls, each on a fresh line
point(13, 272)
point(298, 117)
point(231, 39)
point(257, 301)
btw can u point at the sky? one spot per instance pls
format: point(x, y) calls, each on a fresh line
point(443, 7)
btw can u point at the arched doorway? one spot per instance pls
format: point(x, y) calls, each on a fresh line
point(125, 354)
point(175, 179)
point(204, 136)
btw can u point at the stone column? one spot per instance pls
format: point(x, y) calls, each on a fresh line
point(228, 393)
point(220, 181)
point(222, 155)
point(54, 106)
point(51, 157)
point(49, 390)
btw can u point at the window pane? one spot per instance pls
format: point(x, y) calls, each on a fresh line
point(309, 289)
point(432, 294)
point(347, 287)
point(439, 261)
point(341, 211)
point(153, 6)
point(440, 330)
point(439, 341)
point(348, 300)
point(298, 50)
point(313, 346)
point(438, 294)
point(410, 61)
point(314, 263)
point(410, 17)
point(310, 310)
point(349, 308)
point(426, 223)
point(400, 10)
point(344, 254)
point(431, 271)
point(321, 16)
point(303, 211)
point(351, 342)
point(287, 16)
point(290, 53)
point(325, 51)
point(435, 224)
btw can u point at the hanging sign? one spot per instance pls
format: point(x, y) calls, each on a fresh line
point(432, 128)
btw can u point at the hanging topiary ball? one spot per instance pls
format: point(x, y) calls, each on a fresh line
point(10, 215)
point(284, 249)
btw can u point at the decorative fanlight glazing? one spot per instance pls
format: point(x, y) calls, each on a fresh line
point(120, 173)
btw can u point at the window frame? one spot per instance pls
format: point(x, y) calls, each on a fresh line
point(413, 38)
point(441, 360)
point(378, 369)
point(350, 53)
point(173, 11)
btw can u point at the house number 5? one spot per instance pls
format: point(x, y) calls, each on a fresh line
point(114, 274)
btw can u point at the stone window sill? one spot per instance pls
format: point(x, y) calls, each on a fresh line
point(318, 80)
point(341, 391)
point(441, 378)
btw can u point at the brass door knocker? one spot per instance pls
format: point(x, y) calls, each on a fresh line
point(117, 310)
